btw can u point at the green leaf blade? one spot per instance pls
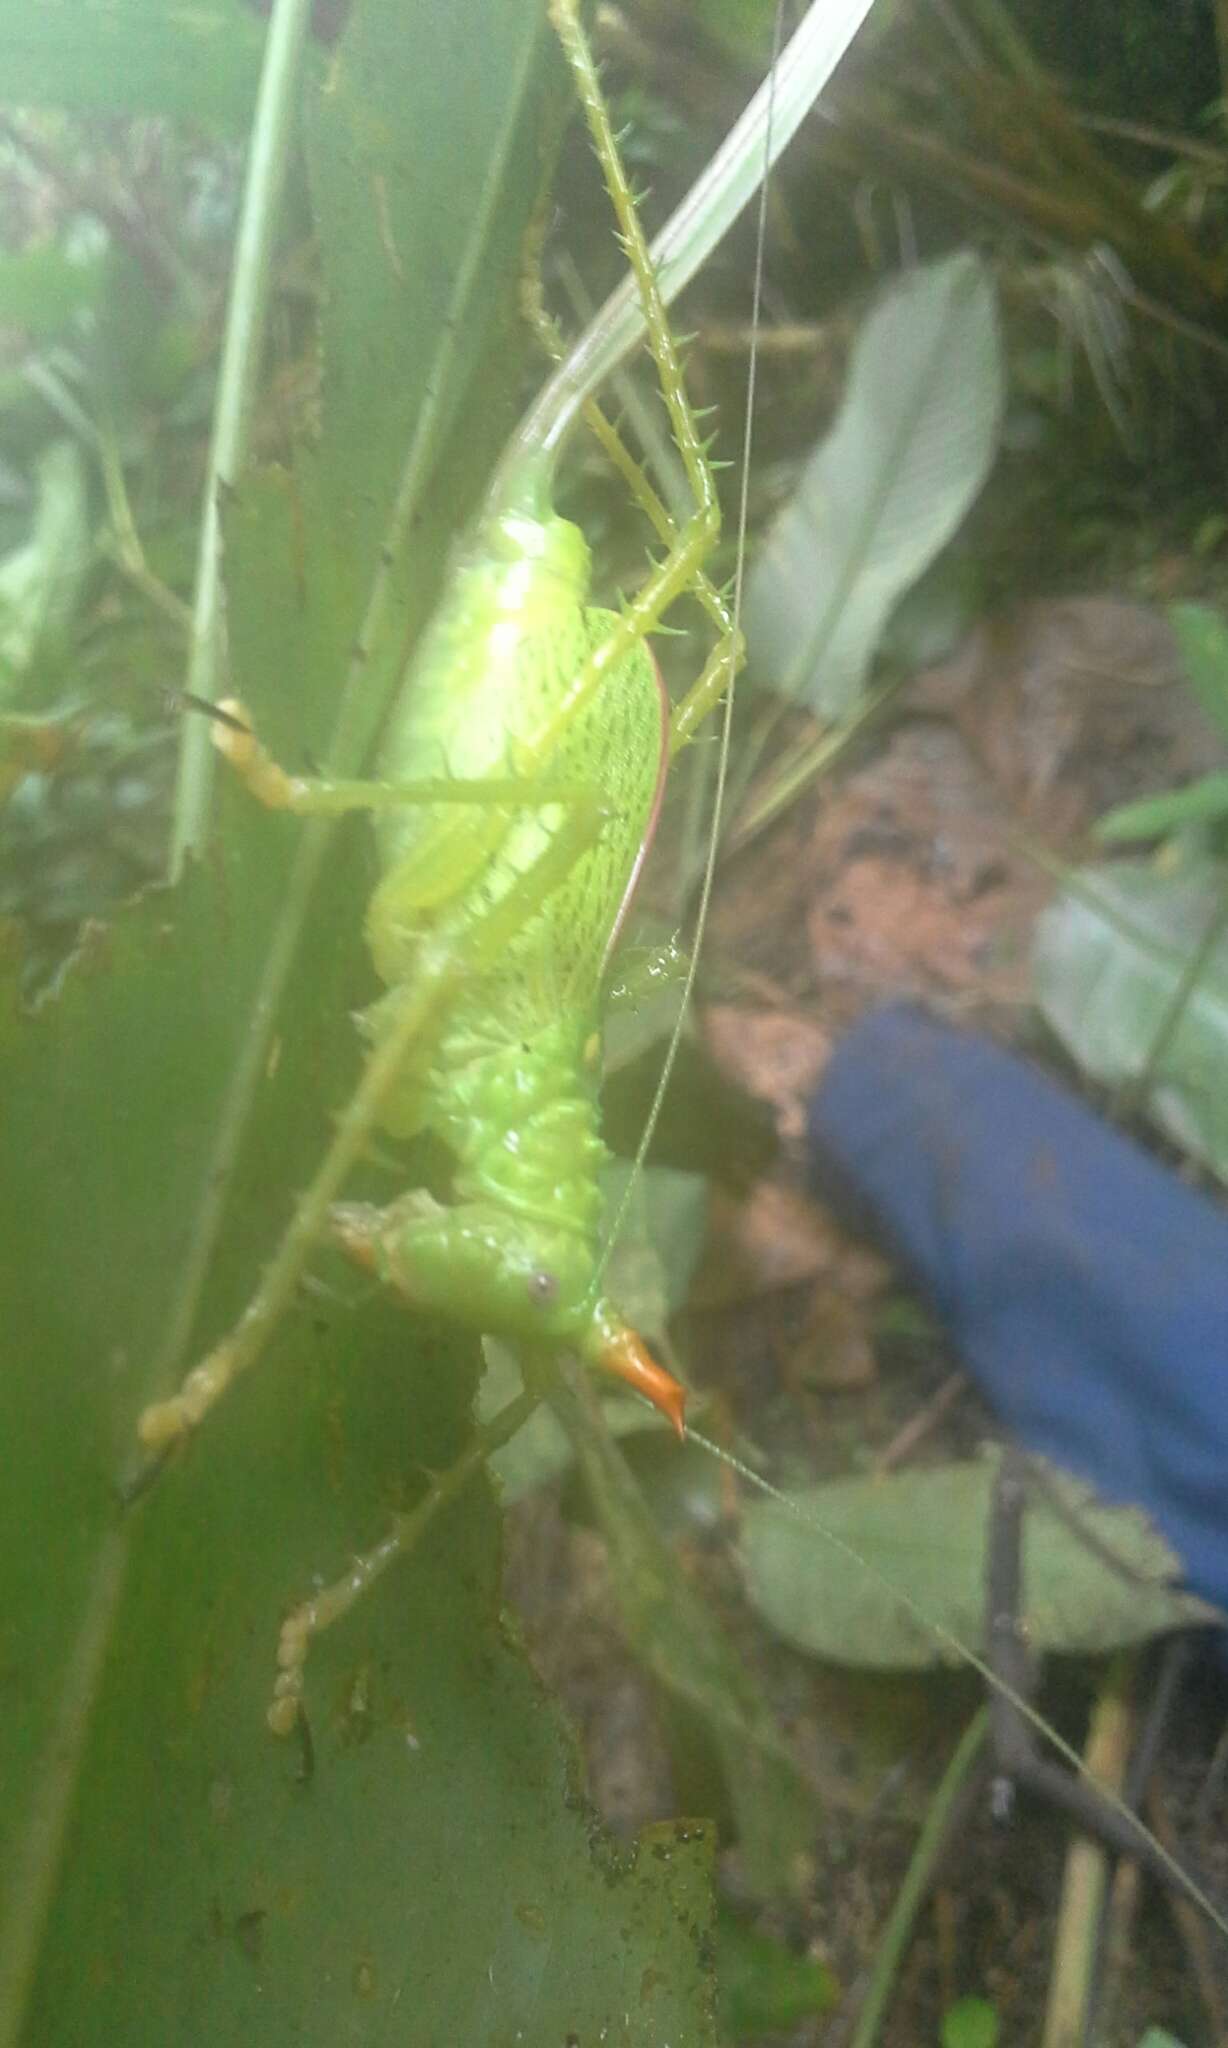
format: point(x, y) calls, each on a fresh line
point(1204, 802)
point(1202, 638)
point(922, 1536)
point(413, 190)
point(167, 1876)
point(164, 1875)
point(910, 449)
point(1129, 973)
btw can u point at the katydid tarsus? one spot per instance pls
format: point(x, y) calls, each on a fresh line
point(516, 794)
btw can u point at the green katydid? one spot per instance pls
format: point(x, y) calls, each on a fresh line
point(518, 786)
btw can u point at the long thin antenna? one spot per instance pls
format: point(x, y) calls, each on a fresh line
point(1158, 1855)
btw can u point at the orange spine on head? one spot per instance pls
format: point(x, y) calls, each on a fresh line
point(627, 1356)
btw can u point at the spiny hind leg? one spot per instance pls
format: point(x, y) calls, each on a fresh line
point(328, 796)
point(413, 1022)
point(689, 545)
point(448, 855)
point(729, 651)
point(334, 1602)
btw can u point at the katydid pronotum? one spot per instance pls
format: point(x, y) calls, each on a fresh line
point(517, 790)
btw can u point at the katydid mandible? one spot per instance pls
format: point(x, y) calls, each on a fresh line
point(518, 786)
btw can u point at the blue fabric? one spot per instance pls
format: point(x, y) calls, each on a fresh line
point(1085, 1287)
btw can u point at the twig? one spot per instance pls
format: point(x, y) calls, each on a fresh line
point(1193, 1930)
point(1072, 1988)
point(919, 1425)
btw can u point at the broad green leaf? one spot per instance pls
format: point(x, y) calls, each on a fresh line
point(165, 1876)
point(912, 444)
point(41, 580)
point(195, 58)
point(923, 1535)
point(425, 148)
point(1202, 637)
point(1130, 969)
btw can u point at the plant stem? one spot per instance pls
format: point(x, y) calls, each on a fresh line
point(242, 354)
point(1070, 2013)
point(930, 1842)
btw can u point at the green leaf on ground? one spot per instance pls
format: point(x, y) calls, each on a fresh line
point(1130, 969)
point(912, 444)
point(922, 1535)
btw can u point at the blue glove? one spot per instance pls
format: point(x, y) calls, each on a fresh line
point(1085, 1288)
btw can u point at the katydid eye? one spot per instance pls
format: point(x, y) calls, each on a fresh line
point(543, 1289)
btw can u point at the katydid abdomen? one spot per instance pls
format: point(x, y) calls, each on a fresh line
point(511, 1080)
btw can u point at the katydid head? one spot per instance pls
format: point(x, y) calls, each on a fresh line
point(523, 1282)
point(499, 1271)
